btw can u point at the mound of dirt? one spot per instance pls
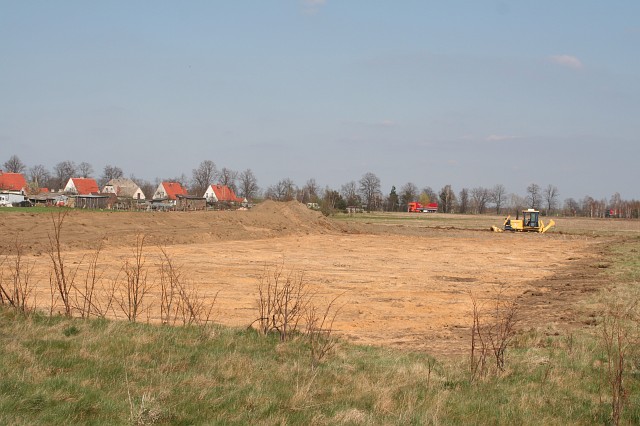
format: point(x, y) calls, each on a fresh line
point(292, 216)
point(85, 229)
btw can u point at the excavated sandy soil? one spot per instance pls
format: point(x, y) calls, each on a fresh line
point(397, 285)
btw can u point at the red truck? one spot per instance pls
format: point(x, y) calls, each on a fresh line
point(416, 207)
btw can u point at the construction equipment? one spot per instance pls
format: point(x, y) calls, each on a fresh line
point(530, 222)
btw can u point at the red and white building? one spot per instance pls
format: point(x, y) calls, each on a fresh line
point(82, 186)
point(169, 191)
point(13, 182)
point(222, 193)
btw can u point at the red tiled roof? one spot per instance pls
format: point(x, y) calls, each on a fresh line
point(172, 189)
point(12, 181)
point(224, 193)
point(85, 186)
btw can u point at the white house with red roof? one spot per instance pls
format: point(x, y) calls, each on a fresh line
point(222, 193)
point(82, 186)
point(169, 191)
point(13, 182)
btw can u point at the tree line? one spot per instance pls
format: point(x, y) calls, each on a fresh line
point(366, 193)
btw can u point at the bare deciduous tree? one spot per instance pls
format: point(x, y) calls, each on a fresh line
point(431, 195)
point(64, 171)
point(447, 199)
point(369, 189)
point(284, 190)
point(310, 192)
point(480, 198)
point(203, 176)
point(332, 200)
point(592, 207)
point(248, 184)
point(615, 203)
point(14, 165)
point(498, 194)
point(228, 177)
point(571, 207)
point(408, 193)
point(38, 176)
point(533, 195)
point(516, 202)
point(551, 198)
point(463, 201)
point(349, 192)
point(110, 172)
point(85, 170)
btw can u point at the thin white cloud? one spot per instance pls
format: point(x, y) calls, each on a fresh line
point(500, 138)
point(311, 7)
point(382, 123)
point(388, 123)
point(568, 61)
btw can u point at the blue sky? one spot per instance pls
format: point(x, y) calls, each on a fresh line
point(467, 93)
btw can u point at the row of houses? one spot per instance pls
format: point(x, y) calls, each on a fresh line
point(119, 193)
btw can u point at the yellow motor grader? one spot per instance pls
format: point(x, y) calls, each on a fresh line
point(530, 222)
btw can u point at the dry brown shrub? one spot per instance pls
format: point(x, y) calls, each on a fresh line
point(133, 290)
point(283, 300)
point(17, 290)
point(320, 331)
point(619, 335)
point(92, 298)
point(180, 301)
point(62, 278)
point(493, 329)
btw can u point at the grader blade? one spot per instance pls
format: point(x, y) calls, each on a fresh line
point(549, 226)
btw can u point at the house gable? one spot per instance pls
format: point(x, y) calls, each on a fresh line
point(124, 188)
point(169, 190)
point(82, 186)
point(221, 193)
point(13, 182)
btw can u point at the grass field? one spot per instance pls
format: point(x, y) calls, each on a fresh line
point(58, 370)
point(62, 371)
point(36, 210)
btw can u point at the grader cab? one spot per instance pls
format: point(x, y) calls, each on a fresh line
point(530, 222)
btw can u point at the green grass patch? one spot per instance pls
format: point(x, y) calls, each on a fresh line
point(624, 256)
point(35, 209)
point(71, 371)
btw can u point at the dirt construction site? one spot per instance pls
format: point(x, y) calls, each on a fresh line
point(402, 280)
